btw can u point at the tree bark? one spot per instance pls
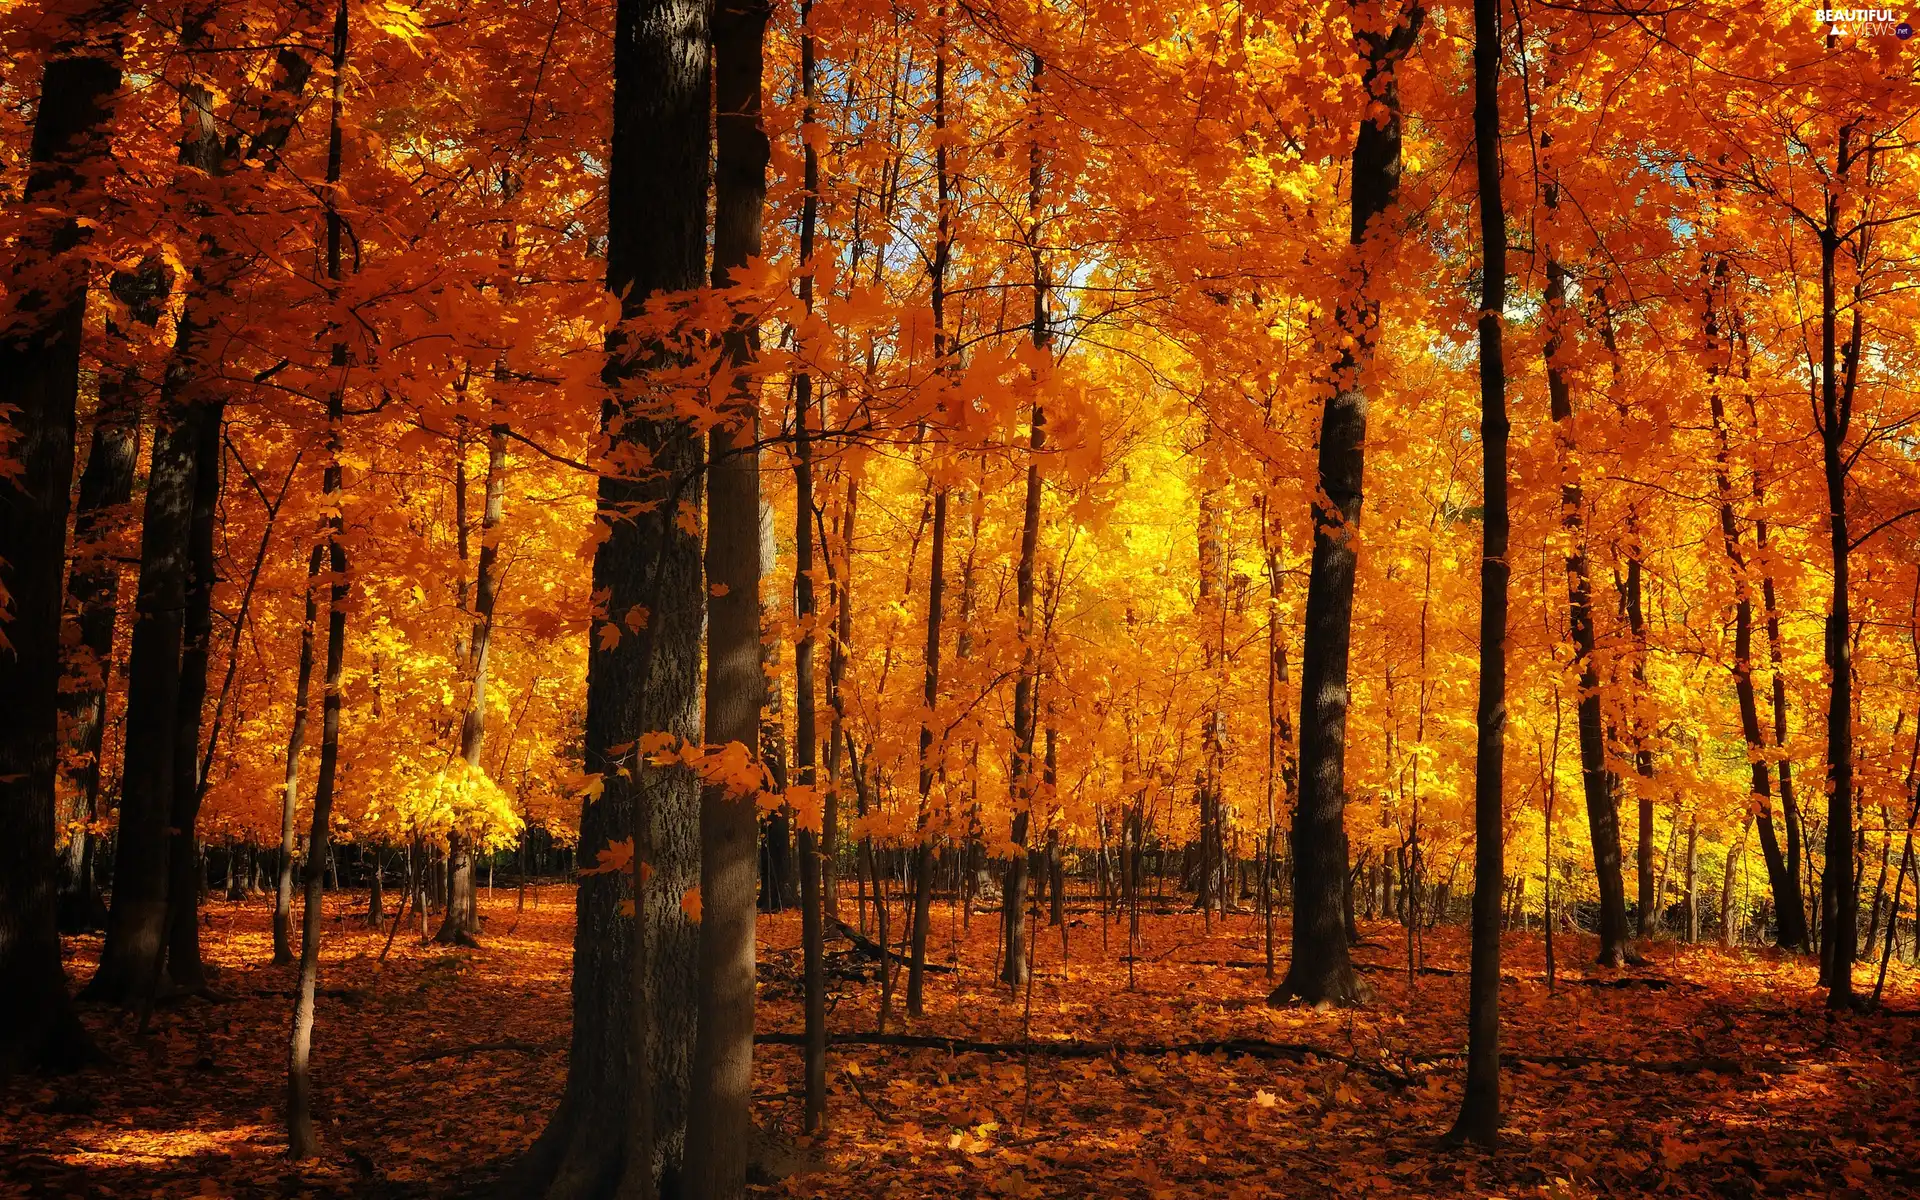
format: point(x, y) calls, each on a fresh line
point(718, 1117)
point(1479, 1119)
point(1603, 818)
point(459, 925)
point(290, 788)
point(301, 1141)
point(93, 595)
point(1321, 967)
point(39, 384)
point(622, 1111)
point(805, 732)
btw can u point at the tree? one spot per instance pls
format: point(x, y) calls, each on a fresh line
point(1479, 1119)
point(1320, 968)
point(718, 1112)
point(617, 1121)
point(46, 280)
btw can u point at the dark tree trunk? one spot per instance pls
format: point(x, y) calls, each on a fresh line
point(1839, 897)
point(1603, 818)
point(641, 675)
point(1783, 882)
point(718, 1115)
point(93, 595)
point(923, 847)
point(1479, 1119)
point(183, 911)
point(131, 958)
point(806, 733)
point(1321, 968)
point(301, 1142)
point(1013, 892)
point(39, 382)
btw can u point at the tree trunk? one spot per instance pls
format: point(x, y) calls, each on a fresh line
point(131, 960)
point(93, 595)
point(1479, 1120)
point(301, 1142)
point(805, 731)
point(1839, 899)
point(1603, 818)
point(622, 1111)
point(183, 912)
point(39, 384)
point(1734, 852)
point(290, 790)
point(1321, 967)
point(459, 926)
point(718, 1117)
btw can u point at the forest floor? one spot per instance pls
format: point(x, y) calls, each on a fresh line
point(1703, 1073)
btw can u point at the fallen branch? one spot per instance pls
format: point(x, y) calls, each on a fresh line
point(1243, 1047)
point(513, 1044)
point(872, 949)
point(1677, 1066)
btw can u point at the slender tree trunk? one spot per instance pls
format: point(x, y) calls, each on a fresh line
point(1479, 1120)
point(458, 925)
point(1734, 852)
point(301, 1141)
point(1839, 897)
point(290, 791)
point(1321, 968)
point(46, 283)
point(1603, 819)
point(805, 731)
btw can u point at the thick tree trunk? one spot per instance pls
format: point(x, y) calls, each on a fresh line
point(1479, 1120)
point(628, 1062)
point(131, 959)
point(183, 911)
point(39, 385)
point(93, 596)
point(1321, 967)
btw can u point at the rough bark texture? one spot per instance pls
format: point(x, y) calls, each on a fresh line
point(1479, 1120)
point(1321, 967)
point(657, 205)
point(39, 382)
point(718, 1116)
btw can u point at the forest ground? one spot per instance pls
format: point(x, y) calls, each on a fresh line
point(1716, 1073)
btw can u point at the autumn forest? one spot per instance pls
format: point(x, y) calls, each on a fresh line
point(682, 599)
